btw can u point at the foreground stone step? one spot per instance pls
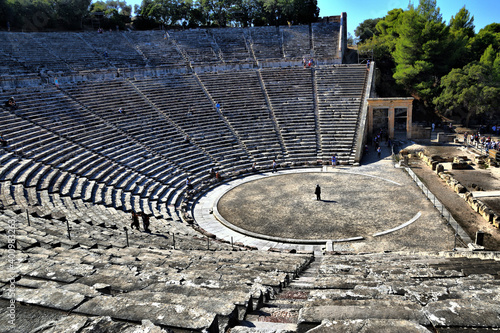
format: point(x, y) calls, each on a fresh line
point(264, 327)
point(172, 316)
point(368, 325)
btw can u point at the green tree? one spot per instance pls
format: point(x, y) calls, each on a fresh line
point(472, 90)
point(461, 32)
point(366, 29)
point(115, 13)
point(489, 35)
point(418, 55)
point(70, 14)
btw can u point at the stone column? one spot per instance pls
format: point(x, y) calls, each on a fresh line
point(409, 121)
point(391, 121)
point(370, 121)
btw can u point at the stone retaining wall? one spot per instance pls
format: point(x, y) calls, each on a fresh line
point(477, 205)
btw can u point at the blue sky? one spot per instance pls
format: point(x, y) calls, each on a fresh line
point(484, 11)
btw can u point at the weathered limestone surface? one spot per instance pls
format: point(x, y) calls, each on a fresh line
point(369, 325)
point(364, 309)
point(50, 297)
point(464, 312)
point(175, 315)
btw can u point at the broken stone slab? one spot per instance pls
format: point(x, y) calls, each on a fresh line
point(83, 324)
point(364, 309)
point(50, 297)
point(224, 307)
point(463, 313)
point(25, 242)
point(369, 326)
point(120, 278)
point(339, 282)
point(62, 272)
point(169, 315)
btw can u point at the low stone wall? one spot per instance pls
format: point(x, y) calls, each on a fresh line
point(419, 132)
point(477, 205)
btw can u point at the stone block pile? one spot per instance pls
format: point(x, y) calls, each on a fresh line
point(476, 204)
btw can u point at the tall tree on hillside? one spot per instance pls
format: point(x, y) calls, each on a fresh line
point(489, 35)
point(420, 49)
point(472, 90)
point(4, 13)
point(70, 14)
point(218, 11)
point(461, 33)
point(366, 29)
point(116, 13)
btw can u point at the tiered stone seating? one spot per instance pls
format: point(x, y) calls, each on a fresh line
point(25, 50)
point(196, 45)
point(387, 292)
point(120, 53)
point(194, 113)
point(291, 94)
point(91, 225)
point(244, 106)
point(159, 50)
point(296, 41)
point(84, 145)
point(266, 42)
point(423, 290)
point(325, 37)
point(73, 50)
point(147, 125)
point(340, 94)
point(172, 288)
point(232, 44)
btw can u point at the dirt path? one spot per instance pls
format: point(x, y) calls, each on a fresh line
point(470, 221)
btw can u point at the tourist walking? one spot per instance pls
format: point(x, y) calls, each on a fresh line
point(135, 221)
point(145, 222)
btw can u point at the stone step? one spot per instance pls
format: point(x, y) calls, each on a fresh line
point(264, 327)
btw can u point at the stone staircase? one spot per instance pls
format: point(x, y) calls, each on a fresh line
point(281, 313)
point(386, 292)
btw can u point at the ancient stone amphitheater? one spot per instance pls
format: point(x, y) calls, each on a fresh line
point(132, 117)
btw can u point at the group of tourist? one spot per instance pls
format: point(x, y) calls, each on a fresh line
point(377, 140)
point(135, 221)
point(478, 140)
point(307, 63)
point(215, 174)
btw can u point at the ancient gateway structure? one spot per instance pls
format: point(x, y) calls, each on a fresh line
point(178, 132)
point(390, 104)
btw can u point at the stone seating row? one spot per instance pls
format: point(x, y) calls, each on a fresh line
point(35, 171)
point(194, 290)
point(424, 289)
point(245, 108)
point(234, 46)
point(266, 43)
point(91, 225)
point(32, 52)
point(291, 97)
point(297, 41)
point(195, 114)
point(325, 43)
point(340, 93)
point(156, 48)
